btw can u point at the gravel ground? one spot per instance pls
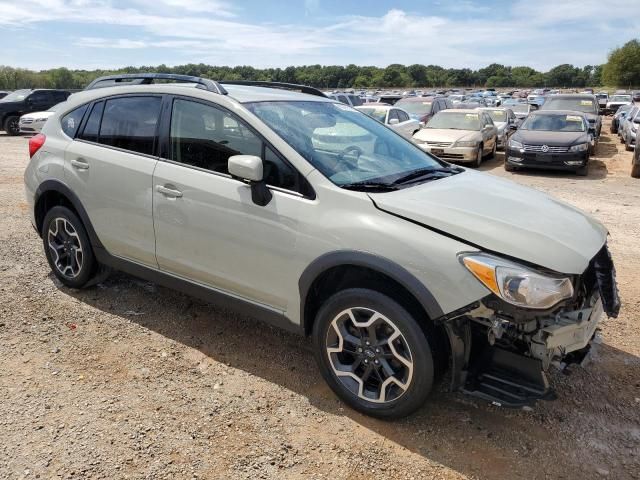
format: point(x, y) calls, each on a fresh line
point(131, 380)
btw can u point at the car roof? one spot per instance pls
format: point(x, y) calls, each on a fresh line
point(377, 106)
point(493, 109)
point(585, 96)
point(458, 110)
point(557, 112)
point(239, 93)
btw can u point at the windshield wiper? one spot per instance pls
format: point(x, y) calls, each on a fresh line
point(425, 173)
point(369, 186)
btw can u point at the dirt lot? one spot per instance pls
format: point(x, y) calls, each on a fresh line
point(131, 380)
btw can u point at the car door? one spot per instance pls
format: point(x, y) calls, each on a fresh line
point(489, 132)
point(109, 166)
point(406, 125)
point(208, 229)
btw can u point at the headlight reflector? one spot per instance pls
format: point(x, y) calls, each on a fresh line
point(581, 147)
point(517, 284)
point(515, 144)
point(465, 143)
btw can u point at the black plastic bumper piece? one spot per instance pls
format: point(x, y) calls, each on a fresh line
point(508, 379)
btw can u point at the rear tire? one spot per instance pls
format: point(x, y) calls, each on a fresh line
point(627, 146)
point(383, 355)
point(12, 125)
point(67, 248)
point(635, 170)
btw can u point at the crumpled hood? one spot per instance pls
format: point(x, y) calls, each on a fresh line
point(445, 135)
point(503, 217)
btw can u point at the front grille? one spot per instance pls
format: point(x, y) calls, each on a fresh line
point(539, 149)
point(439, 144)
point(452, 156)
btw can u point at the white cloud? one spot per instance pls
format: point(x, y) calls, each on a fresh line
point(212, 32)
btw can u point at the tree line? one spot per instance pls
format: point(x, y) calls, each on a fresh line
point(622, 69)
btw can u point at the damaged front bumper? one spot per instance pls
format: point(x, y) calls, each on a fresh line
point(501, 356)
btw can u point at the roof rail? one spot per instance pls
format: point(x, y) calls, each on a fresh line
point(282, 85)
point(148, 78)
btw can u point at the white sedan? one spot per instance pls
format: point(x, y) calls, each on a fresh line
point(32, 123)
point(393, 117)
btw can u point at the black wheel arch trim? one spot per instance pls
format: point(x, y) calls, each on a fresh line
point(59, 187)
point(368, 260)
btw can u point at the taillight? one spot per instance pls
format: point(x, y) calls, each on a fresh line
point(35, 143)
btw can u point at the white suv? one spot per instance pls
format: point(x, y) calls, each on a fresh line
point(310, 215)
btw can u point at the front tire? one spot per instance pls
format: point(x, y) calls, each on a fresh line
point(12, 125)
point(67, 248)
point(373, 354)
point(635, 170)
point(583, 171)
point(479, 154)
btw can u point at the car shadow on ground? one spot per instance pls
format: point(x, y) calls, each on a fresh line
point(451, 429)
point(597, 168)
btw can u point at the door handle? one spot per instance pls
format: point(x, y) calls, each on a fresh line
point(80, 164)
point(168, 191)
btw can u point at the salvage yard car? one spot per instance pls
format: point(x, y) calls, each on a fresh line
point(20, 102)
point(585, 103)
point(423, 108)
point(551, 139)
point(616, 101)
point(505, 121)
point(466, 136)
point(395, 118)
point(395, 262)
point(32, 123)
point(619, 116)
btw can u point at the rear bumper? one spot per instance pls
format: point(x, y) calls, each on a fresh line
point(552, 161)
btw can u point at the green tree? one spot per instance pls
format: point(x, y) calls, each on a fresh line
point(623, 66)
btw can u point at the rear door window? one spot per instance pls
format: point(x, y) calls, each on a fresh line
point(92, 127)
point(402, 116)
point(130, 123)
point(393, 115)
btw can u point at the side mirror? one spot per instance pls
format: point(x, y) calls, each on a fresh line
point(246, 167)
point(249, 168)
point(513, 126)
point(394, 121)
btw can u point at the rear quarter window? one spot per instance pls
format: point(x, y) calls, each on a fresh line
point(71, 121)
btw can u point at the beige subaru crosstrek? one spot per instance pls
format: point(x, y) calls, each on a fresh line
point(398, 264)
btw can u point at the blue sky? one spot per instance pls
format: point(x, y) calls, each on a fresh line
point(92, 34)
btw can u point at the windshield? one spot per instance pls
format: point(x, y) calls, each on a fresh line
point(455, 121)
point(578, 104)
point(378, 113)
point(520, 108)
point(17, 96)
point(497, 115)
point(422, 107)
point(344, 145)
point(620, 98)
point(554, 123)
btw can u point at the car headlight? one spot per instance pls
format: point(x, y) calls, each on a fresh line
point(515, 144)
point(517, 284)
point(466, 143)
point(581, 147)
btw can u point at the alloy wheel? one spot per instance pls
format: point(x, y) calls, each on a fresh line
point(66, 248)
point(369, 355)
